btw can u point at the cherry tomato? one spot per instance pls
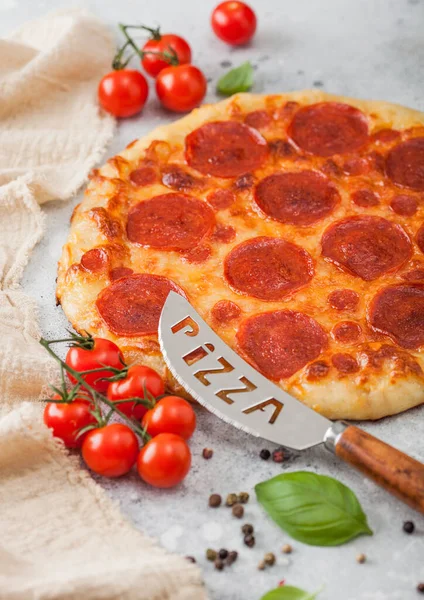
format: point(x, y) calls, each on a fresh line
point(67, 419)
point(171, 414)
point(167, 42)
point(164, 461)
point(123, 93)
point(234, 22)
point(138, 380)
point(104, 352)
point(111, 450)
point(181, 88)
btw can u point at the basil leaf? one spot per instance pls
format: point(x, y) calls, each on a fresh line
point(288, 592)
point(239, 79)
point(314, 509)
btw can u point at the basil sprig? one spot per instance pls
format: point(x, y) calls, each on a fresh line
point(288, 592)
point(314, 509)
point(237, 80)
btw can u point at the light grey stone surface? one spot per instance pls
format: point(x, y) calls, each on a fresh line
point(364, 48)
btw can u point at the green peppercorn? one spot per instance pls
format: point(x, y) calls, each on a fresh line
point(231, 499)
point(243, 497)
point(211, 554)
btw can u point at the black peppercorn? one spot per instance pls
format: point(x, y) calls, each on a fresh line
point(420, 588)
point(408, 527)
point(249, 540)
point(215, 500)
point(247, 529)
point(223, 553)
point(265, 454)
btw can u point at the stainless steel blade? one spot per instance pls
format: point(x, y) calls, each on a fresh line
point(228, 386)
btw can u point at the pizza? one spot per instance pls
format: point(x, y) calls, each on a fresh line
point(294, 225)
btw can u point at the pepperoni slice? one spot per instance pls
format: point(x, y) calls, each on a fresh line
point(170, 222)
point(420, 238)
point(179, 180)
point(385, 136)
point(258, 119)
point(365, 198)
point(225, 311)
point(346, 332)
point(414, 275)
point(225, 149)
point(345, 363)
point(403, 205)
point(329, 128)
point(94, 260)
point(405, 164)
point(280, 343)
point(317, 370)
point(143, 176)
point(119, 272)
point(224, 234)
point(198, 255)
point(366, 246)
point(297, 198)
point(343, 299)
point(268, 268)
point(398, 311)
point(132, 305)
point(221, 199)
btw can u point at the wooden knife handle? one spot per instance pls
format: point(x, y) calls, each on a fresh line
point(393, 470)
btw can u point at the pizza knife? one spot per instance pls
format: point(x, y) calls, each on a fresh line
point(228, 386)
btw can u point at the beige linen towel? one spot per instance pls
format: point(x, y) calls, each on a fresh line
point(60, 536)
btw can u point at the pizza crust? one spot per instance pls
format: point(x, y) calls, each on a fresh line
point(372, 395)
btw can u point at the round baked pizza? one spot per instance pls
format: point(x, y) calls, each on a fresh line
point(294, 225)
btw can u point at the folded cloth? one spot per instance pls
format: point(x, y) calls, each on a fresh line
point(61, 537)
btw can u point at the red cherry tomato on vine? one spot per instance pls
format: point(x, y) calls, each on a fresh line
point(111, 450)
point(138, 380)
point(67, 419)
point(181, 88)
point(171, 414)
point(164, 461)
point(123, 93)
point(234, 22)
point(166, 43)
point(104, 352)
